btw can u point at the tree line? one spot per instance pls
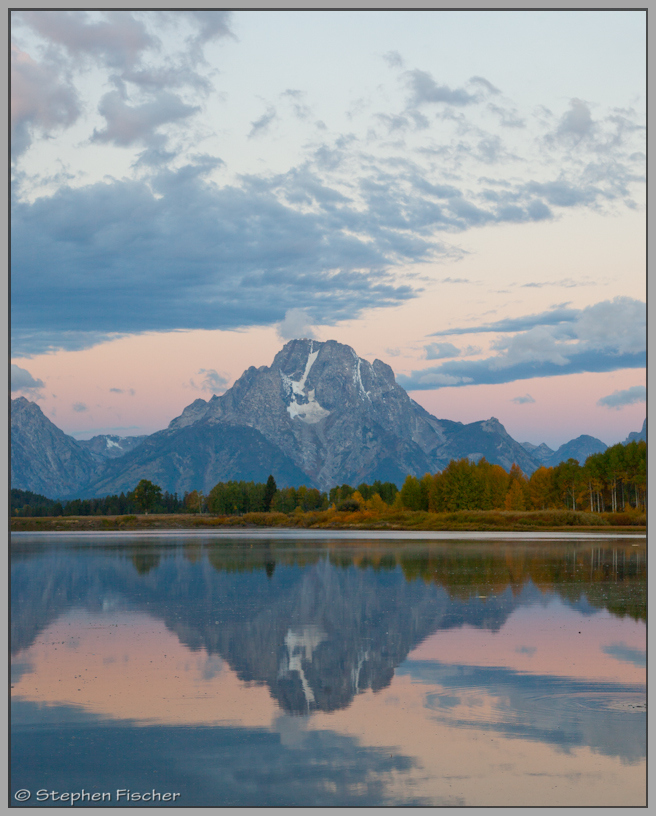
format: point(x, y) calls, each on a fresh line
point(612, 481)
point(236, 498)
point(27, 503)
point(225, 498)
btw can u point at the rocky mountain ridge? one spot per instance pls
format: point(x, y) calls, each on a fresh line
point(110, 446)
point(319, 415)
point(637, 436)
point(338, 417)
point(579, 449)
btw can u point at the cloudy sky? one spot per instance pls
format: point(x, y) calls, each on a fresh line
point(460, 194)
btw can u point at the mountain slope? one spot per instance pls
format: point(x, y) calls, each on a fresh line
point(579, 449)
point(43, 458)
point(196, 457)
point(636, 436)
point(488, 439)
point(538, 452)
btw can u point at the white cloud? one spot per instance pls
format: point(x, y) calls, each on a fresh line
point(618, 326)
point(620, 399)
point(137, 124)
point(442, 379)
point(535, 345)
point(41, 100)
point(212, 381)
point(22, 380)
point(118, 38)
point(577, 122)
point(296, 325)
point(441, 351)
point(606, 336)
point(310, 221)
point(394, 59)
point(261, 125)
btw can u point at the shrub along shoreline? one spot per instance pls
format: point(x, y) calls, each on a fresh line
point(363, 519)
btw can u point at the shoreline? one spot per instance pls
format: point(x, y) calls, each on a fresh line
point(485, 522)
point(349, 536)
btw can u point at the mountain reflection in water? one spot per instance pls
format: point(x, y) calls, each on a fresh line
point(317, 626)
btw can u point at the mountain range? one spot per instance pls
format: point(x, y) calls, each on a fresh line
point(319, 416)
point(579, 448)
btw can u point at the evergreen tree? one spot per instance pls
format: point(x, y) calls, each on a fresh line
point(269, 492)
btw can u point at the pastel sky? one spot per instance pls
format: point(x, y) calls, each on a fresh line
point(460, 194)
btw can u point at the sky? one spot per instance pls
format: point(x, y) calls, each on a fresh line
point(460, 194)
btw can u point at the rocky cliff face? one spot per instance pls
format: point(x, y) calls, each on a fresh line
point(44, 459)
point(337, 416)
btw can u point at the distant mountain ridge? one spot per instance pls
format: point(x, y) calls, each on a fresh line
point(110, 446)
point(637, 436)
point(579, 449)
point(319, 416)
point(540, 453)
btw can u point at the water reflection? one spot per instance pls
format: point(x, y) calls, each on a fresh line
point(336, 666)
point(555, 710)
point(227, 766)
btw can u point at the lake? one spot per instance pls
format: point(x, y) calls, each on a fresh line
point(328, 669)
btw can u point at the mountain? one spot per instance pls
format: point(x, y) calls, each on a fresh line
point(43, 458)
point(327, 417)
point(196, 457)
point(339, 417)
point(636, 436)
point(538, 452)
point(319, 415)
point(488, 439)
point(579, 449)
point(109, 446)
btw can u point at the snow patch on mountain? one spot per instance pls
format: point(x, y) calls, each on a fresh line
point(304, 405)
point(357, 379)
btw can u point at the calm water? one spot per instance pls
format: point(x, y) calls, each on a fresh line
point(320, 671)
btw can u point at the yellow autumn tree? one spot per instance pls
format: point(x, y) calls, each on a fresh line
point(541, 489)
point(515, 497)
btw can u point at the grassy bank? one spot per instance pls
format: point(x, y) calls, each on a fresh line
point(479, 520)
